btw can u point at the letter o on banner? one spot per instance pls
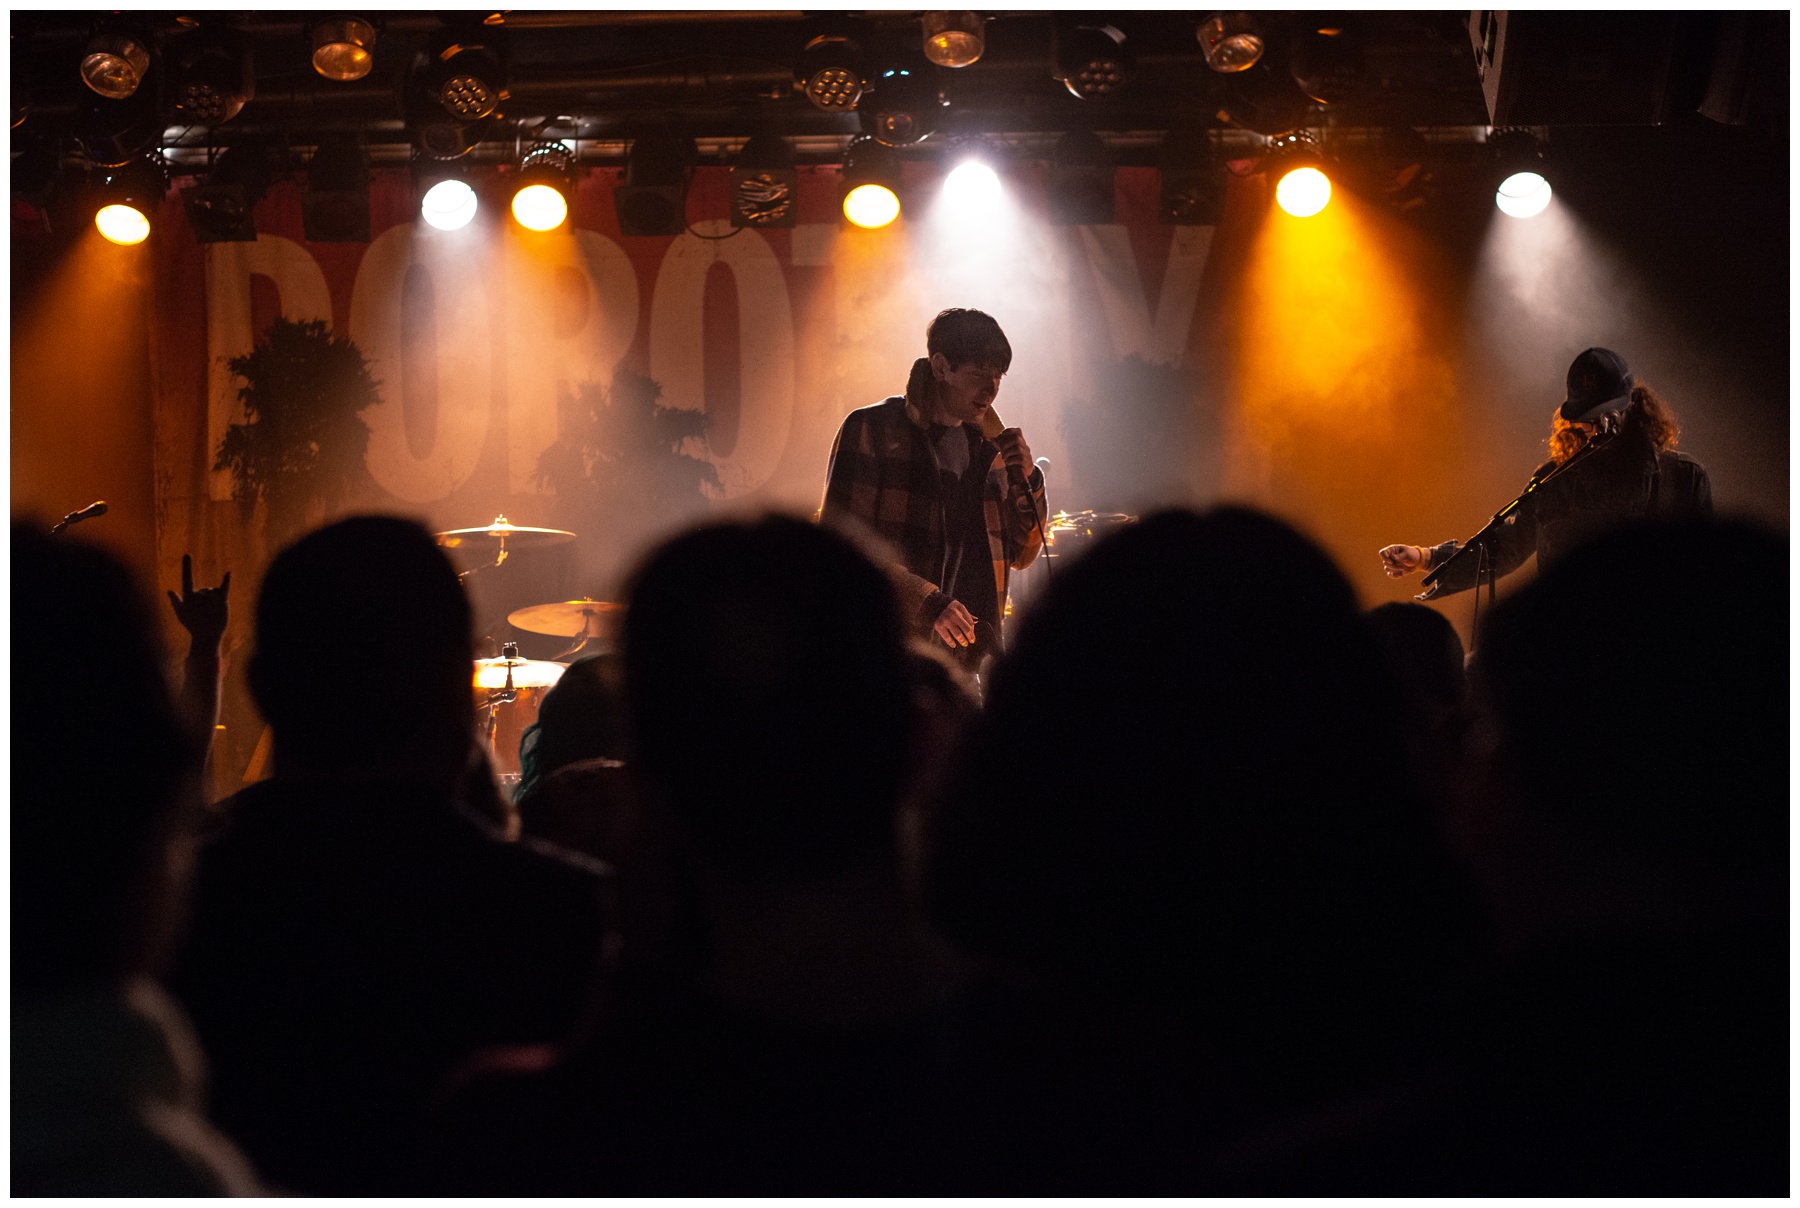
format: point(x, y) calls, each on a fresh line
point(765, 342)
point(447, 279)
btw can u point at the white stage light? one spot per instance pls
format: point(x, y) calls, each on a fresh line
point(972, 187)
point(449, 205)
point(1523, 195)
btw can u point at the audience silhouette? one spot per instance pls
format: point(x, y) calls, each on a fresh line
point(361, 925)
point(1226, 887)
point(779, 1013)
point(1183, 822)
point(106, 1076)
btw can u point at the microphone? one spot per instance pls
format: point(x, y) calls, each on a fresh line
point(991, 426)
point(96, 508)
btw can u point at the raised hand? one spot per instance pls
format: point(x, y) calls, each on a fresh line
point(203, 611)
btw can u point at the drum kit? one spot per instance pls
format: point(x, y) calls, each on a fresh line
point(509, 690)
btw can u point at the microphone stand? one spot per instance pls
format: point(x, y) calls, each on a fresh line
point(1479, 542)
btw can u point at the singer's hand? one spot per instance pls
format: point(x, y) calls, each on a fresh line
point(203, 612)
point(1401, 560)
point(1014, 449)
point(956, 624)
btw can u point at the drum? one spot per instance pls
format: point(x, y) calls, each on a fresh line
point(508, 693)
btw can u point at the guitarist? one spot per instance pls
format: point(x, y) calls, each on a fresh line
point(937, 475)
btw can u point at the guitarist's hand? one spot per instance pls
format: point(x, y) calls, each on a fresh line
point(955, 625)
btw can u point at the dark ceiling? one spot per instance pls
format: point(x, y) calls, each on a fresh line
point(601, 78)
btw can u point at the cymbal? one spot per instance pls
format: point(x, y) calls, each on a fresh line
point(566, 618)
point(526, 673)
point(503, 532)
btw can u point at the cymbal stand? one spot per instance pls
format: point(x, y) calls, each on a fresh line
point(590, 630)
point(498, 559)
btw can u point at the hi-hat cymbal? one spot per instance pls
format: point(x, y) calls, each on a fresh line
point(566, 618)
point(503, 532)
point(522, 673)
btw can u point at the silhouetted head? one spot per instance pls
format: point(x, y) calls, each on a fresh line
point(1185, 773)
point(766, 672)
point(1423, 651)
point(582, 717)
point(1640, 686)
point(104, 771)
point(363, 663)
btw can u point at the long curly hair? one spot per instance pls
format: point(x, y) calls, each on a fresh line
point(1647, 411)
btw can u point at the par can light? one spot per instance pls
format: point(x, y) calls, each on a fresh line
point(871, 206)
point(1523, 195)
point(1303, 192)
point(449, 205)
point(122, 224)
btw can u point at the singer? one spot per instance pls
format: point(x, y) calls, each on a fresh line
point(934, 473)
point(1633, 471)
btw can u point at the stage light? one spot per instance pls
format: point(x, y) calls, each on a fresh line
point(652, 199)
point(1191, 181)
point(114, 64)
point(1294, 160)
point(1303, 192)
point(466, 81)
point(764, 184)
point(830, 73)
point(1080, 190)
point(335, 208)
point(953, 39)
point(973, 188)
point(1523, 195)
point(871, 206)
point(871, 183)
point(122, 224)
point(221, 208)
point(540, 199)
point(1230, 41)
point(129, 194)
point(903, 107)
point(1091, 61)
point(449, 205)
point(211, 78)
point(115, 133)
point(1518, 164)
point(343, 48)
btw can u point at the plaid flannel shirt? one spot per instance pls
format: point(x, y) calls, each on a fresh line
point(884, 474)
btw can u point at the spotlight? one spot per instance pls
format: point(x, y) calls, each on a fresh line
point(1523, 195)
point(1081, 181)
point(114, 64)
point(335, 208)
point(343, 48)
point(129, 194)
point(540, 200)
point(953, 39)
point(221, 208)
point(1192, 184)
point(652, 199)
point(973, 188)
point(871, 184)
point(466, 81)
point(447, 200)
point(1304, 189)
point(1231, 42)
point(830, 73)
point(903, 106)
point(1091, 61)
point(1328, 64)
point(764, 184)
point(211, 77)
point(1518, 158)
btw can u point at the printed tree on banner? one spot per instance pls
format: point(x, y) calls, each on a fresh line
point(617, 467)
point(301, 451)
